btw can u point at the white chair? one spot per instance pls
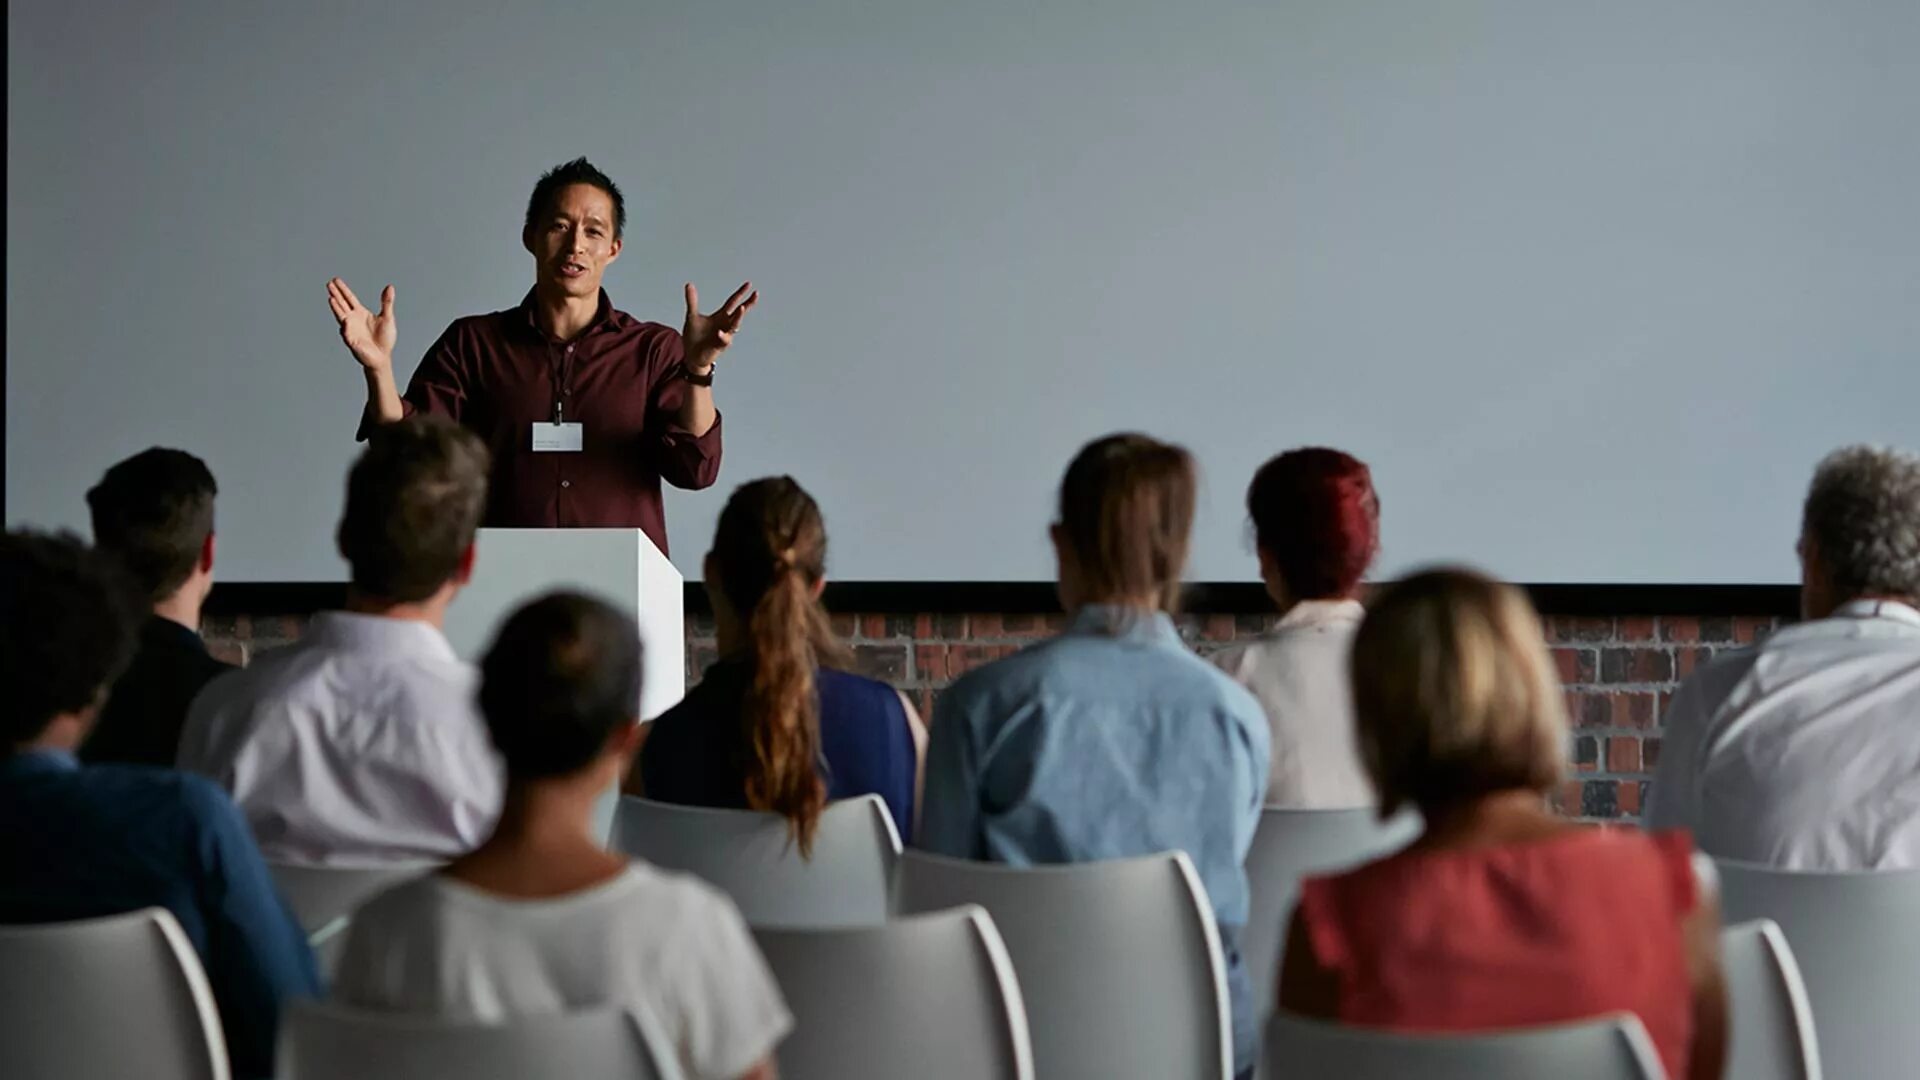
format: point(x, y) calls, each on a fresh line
point(119, 996)
point(323, 899)
point(932, 997)
point(1290, 845)
point(1770, 1022)
point(750, 857)
point(1609, 1048)
point(1856, 937)
point(1119, 961)
point(327, 1042)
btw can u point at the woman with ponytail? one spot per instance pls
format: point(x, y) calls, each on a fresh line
point(1316, 529)
point(776, 724)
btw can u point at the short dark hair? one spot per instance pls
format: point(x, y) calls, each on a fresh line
point(1315, 513)
point(560, 678)
point(154, 512)
point(414, 500)
point(1126, 509)
point(563, 176)
point(68, 616)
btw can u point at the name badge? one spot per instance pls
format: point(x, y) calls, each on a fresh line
point(558, 438)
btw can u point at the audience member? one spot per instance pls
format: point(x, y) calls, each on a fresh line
point(154, 512)
point(361, 745)
point(1501, 914)
point(774, 724)
point(1316, 527)
point(1112, 739)
point(1804, 753)
point(541, 918)
point(79, 842)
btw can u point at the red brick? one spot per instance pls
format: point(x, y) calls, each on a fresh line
point(1684, 628)
point(1629, 795)
point(1217, 628)
point(1576, 665)
point(1589, 710)
point(1634, 628)
point(917, 627)
point(873, 626)
point(950, 627)
point(1566, 798)
point(983, 625)
point(1749, 629)
point(1600, 799)
point(1623, 754)
point(1635, 665)
point(1689, 659)
point(1563, 629)
point(1631, 710)
point(843, 625)
point(964, 658)
point(1650, 751)
point(1586, 754)
point(1023, 626)
point(888, 663)
point(930, 663)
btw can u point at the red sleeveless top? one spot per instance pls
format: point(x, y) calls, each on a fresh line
point(1537, 933)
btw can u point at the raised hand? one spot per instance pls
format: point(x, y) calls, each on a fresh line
point(705, 337)
point(370, 336)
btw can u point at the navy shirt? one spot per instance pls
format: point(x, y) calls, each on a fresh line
point(81, 843)
point(143, 717)
point(697, 752)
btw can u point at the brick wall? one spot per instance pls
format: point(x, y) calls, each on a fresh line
point(1619, 672)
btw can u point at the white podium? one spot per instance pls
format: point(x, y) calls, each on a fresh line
point(620, 566)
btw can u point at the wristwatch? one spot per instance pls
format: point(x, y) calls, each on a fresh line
point(688, 374)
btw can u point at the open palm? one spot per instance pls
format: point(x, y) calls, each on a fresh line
point(369, 335)
point(705, 337)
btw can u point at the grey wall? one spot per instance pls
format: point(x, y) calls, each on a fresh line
point(1591, 285)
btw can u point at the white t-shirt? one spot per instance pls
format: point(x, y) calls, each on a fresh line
point(665, 943)
point(1299, 673)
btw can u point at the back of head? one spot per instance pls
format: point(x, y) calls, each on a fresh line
point(414, 501)
point(1454, 694)
point(1317, 517)
point(769, 556)
point(561, 677)
point(154, 512)
point(1126, 512)
point(1862, 517)
point(68, 616)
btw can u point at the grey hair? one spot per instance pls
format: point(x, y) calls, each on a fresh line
point(1863, 517)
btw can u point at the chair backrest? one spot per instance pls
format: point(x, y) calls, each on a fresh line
point(1607, 1048)
point(1770, 1022)
point(327, 1042)
point(1856, 937)
point(119, 996)
point(748, 855)
point(320, 895)
point(1290, 845)
point(932, 997)
point(1119, 961)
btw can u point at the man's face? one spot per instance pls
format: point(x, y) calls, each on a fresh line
point(573, 245)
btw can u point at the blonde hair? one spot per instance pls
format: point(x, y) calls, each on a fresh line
point(1454, 694)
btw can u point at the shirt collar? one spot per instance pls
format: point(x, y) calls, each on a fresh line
point(162, 631)
point(1125, 624)
point(42, 761)
point(603, 319)
point(1878, 609)
point(354, 632)
point(1321, 613)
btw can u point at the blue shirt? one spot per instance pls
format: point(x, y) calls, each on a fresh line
point(1111, 740)
point(697, 752)
point(80, 843)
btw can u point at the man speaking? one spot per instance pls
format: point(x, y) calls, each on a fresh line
point(585, 408)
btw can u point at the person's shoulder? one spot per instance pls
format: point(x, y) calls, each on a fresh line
point(149, 792)
point(1018, 673)
point(670, 902)
point(846, 686)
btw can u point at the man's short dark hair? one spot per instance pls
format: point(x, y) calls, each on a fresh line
point(154, 512)
point(68, 616)
point(578, 171)
point(414, 501)
point(560, 678)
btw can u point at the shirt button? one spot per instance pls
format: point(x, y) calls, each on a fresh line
point(569, 350)
point(566, 483)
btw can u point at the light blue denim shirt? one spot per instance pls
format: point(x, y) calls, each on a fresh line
point(1111, 740)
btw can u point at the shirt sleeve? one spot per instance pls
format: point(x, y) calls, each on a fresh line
point(950, 799)
point(257, 956)
point(731, 1014)
point(1673, 802)
point(682, 458)
point(439, 385)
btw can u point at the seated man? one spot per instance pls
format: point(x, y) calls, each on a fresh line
point(1804, 753)
point(360, 744)
point(154, 512)
point(81, 842)
point(542, 918)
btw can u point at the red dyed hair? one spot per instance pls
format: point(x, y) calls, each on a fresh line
point(1316, 515)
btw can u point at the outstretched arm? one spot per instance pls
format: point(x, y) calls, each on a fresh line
point(370, 337)
point(703, 339)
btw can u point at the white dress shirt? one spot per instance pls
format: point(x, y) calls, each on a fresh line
point(1804, 752)
point(360, 745)
point(1298, 670)
point(668, 947)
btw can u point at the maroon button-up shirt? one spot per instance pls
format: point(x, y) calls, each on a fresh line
point(498, 374)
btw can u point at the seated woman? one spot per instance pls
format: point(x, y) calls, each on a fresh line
point(1112, 739)
point(541, 918)
point(1316, 527)
point(1501, 914)
point(775, 724)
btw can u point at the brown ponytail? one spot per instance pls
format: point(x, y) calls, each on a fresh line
point(769, 553)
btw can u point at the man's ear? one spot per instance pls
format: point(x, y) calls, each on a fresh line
point(614, 251)
point(526, 238)
point(206, 555)
point(463, 572)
